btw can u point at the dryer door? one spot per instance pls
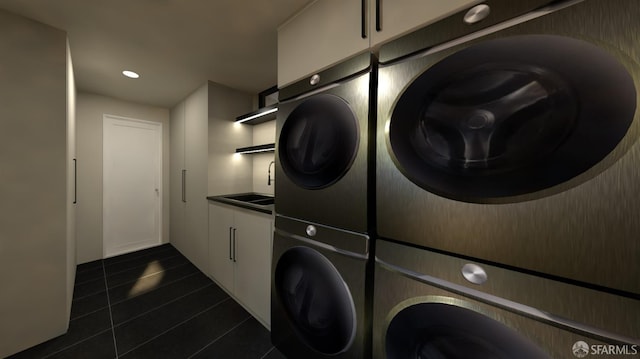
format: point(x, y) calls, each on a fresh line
point(316, 299)
point(439, 330)
point(318, 141)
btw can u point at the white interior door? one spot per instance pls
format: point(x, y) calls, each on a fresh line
point(132, 184)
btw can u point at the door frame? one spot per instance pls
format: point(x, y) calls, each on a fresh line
point(159, 210)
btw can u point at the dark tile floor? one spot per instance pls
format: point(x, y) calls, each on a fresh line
point(154, 304)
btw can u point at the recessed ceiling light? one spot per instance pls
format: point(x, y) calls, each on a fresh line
point(130, 74)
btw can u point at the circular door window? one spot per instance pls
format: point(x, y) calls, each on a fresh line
point(316, 300)
point(436, 330)
point(511, 116)
point(318, 141)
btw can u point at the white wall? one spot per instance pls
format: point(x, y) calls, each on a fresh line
point(33, 183)
point(262, 134)
point(90, 109)
point(228, 172)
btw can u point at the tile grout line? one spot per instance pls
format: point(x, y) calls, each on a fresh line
point(88, 295)
point(162, 305)
point(144, 264)
point(129, 282)
point(113, 330)
point(86, 281)
point(175, 326)
point(148, 275)
point(112, 260)
point(88, 314)
point(268, 352)
point(74, 344)
point(156, 288)
point(219, 337)
point(128, 269)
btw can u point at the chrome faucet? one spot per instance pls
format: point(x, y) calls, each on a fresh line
point(269, 173)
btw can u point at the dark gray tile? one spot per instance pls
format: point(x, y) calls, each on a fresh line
point(150, 283)
point(88, 304)
point(89, 266)
point(274, 354)
point(137, 262)
point(250, 340)
point(174, 315)
point(140, 253)
point(128, 309)
point(147, 326)
point(89, 275)
point(146, 269)
point(89, 288)
point(79, 330)
point(130, 260)
point(188, 338)
point(98, 347)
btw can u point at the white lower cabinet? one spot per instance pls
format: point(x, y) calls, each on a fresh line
point(240, 256)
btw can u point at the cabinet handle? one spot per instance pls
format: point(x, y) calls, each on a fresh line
point(378, 17)
point(184, 186)
point(230, 258)
point(75, 181)
point(363, 18)
point(234, 245)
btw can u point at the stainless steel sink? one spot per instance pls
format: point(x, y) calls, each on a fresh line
point(264, 202)
point(249, 200)
point(248, 197)
point(253, 198)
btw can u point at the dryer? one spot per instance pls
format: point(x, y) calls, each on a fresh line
point(323, 145)
point(430, 305)
point(318, 304)
point(508, 134)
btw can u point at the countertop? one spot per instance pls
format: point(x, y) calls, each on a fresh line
point(268, 209)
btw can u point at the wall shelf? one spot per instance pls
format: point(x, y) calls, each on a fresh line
point(264, 114)
point(269, 147)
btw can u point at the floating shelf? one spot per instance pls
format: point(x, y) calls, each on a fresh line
point(264, 114)
point(269, 147)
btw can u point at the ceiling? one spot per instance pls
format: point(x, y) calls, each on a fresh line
point(175, 45)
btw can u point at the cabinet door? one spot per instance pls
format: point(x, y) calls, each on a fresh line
point(253, 266)
point(196, 160)
point(221, 264)
point(177, 165)
point(399, 17)
point(322, 34)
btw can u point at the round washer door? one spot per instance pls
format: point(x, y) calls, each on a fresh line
point(511, 116)
point(438, 330)
point(318, 141)
point(316, 299)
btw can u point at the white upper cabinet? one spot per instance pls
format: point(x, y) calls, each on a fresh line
point(328, 31)
point(322, 34)
point(393, 18)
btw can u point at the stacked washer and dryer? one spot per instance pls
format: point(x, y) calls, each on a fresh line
point(321, 246)
point(501, 184)
point(508, 184)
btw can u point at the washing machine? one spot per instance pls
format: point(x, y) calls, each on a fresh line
point(323, 145)
point(318, 301)
point(430, 305)
point(508, 133)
